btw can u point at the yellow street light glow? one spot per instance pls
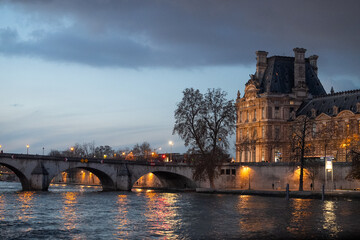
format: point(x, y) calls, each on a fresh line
point(27, 146)
point(123, 153)
point(72, 149)
point(105, 156)
point(171, 143)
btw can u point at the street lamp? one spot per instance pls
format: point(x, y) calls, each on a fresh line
point(27, 149)
point(72, 150)
point(171, 144)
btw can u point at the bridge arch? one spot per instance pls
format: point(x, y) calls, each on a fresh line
point(165, 180)
point(25, 183)
point(106, 182)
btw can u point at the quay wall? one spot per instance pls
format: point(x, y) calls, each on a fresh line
point(277, 175)
point(270, 176)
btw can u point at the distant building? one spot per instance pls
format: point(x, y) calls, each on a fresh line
point(282, 90)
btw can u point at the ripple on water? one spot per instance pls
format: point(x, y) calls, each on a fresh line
point(67, 212)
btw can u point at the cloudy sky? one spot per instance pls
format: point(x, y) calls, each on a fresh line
point(112, 71)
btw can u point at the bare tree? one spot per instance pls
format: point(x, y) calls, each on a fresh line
point(327, 134)
point(142, 151)
point(300, 137)
point(102, 151)
point(313, 169)
point(354, 154)
point(204, 122)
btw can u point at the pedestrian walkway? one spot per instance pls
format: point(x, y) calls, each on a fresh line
point(334, 194)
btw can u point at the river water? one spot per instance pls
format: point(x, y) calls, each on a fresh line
point(84, 212)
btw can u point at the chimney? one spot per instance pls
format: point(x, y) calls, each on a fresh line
point(313, 63)
point(261, 64)
point(299, 67)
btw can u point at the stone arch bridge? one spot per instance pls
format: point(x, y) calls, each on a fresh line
point(37, 171)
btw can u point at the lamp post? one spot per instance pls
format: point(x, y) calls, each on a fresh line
point(72, 150)
point(43, 151)
point(27, 149)
point(1, 149)
point(171, 144)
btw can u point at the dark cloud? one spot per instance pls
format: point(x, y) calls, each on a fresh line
point(189, 33)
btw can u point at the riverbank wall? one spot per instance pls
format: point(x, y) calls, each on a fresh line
point(275, 176)
point(271, 176)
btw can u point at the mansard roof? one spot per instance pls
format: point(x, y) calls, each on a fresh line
point(347, 100)
point(279, 76)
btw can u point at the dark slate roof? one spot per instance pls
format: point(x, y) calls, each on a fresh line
point(324, 104)
point(279, 74)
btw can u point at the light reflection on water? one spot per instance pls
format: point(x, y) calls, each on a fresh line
point(330, 223)
point(250, 212)
point(121, 216)
point(25, 208)
point(300, 214)
point(75, 212)
point(161, 214)
point(68, 212)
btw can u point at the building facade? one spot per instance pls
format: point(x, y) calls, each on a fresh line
point(282, 91)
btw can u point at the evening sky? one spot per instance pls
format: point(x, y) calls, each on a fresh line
point(112, 72)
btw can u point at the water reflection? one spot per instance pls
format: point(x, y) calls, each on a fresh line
point(300, 214)
point(161, 214)
point(329, 215)
point(68, 212)
point(26, 207)
point(253, 217)
point(121, 217)
point(2, 207)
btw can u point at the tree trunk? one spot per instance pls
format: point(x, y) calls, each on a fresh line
point(301, 188)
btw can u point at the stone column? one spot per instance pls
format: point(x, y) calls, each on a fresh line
point(39, 180)
point(123, 178)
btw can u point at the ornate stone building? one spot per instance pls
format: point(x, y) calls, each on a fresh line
point(282, 90)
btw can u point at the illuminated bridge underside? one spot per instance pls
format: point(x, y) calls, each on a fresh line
point(36, 172)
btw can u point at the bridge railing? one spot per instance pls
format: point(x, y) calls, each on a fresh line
point(87, 160)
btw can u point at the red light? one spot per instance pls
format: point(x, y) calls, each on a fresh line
point(163, 156)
